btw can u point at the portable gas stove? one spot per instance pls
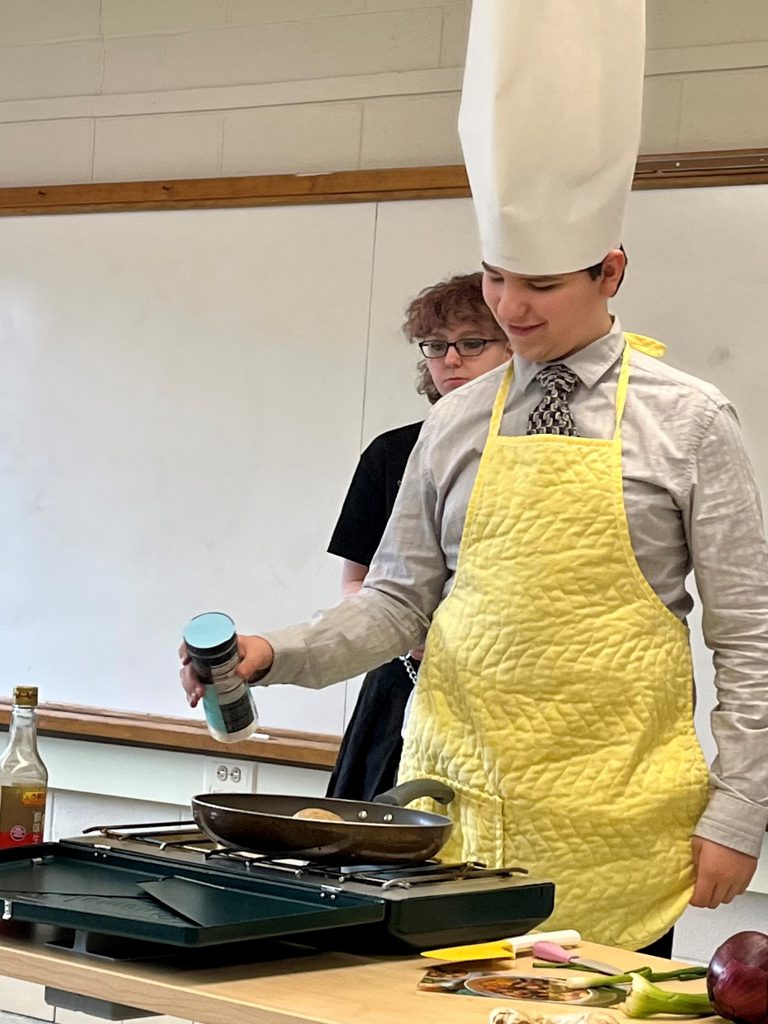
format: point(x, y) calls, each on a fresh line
point(144, 888)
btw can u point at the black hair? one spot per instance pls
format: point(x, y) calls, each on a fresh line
point(597, 268)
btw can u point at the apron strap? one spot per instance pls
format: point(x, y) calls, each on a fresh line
point(650, 347)
point(494, 427)
point(643, 343)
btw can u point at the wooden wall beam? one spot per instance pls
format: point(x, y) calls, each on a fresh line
point(104, 725)
point(673, 170)
point(264, 190)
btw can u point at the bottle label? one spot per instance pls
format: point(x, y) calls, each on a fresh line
point(229, 712)
point(227, 698)
point(22, 815)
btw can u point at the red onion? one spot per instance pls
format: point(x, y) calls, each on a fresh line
point(737, 978)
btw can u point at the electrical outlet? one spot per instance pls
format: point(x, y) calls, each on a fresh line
point(225, 776)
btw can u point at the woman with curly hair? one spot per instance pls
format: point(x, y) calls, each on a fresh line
point(459, 341)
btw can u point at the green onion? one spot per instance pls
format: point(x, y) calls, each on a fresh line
point(645, 999)
point(598, 980)
point(571, 966)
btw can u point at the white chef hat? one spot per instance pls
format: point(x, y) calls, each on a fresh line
point(550, 127)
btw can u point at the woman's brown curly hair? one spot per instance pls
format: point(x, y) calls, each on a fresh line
point(456, 300)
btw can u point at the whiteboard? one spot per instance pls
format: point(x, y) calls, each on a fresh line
point(185, 395)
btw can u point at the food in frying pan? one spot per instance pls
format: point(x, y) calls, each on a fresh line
point(318, 813)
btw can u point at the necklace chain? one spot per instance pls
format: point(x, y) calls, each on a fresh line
point(409, 668)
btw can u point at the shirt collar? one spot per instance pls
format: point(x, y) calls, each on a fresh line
point(590, 362)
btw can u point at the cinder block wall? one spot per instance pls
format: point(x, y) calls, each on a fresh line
point(112, 90)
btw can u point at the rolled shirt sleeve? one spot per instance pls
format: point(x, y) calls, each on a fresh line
point(391, 613)
point(730, 560)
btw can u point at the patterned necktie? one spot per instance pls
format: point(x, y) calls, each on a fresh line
point(552, 415)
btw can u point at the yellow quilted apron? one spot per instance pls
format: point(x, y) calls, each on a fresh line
point(555, 696)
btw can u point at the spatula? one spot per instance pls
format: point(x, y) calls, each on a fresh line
point(508, 947)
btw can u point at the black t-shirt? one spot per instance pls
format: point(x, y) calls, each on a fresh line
point(372, 493)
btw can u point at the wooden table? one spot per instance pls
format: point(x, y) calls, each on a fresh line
point(328, 988)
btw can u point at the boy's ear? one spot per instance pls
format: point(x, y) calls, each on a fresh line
point(613, 270)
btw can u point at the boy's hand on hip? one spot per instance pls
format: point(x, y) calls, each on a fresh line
point(721, 873)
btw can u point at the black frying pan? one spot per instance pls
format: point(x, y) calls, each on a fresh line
point(383, 831)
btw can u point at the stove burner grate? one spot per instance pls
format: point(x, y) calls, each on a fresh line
point(386, 876)
point(185, 835)
point(163, 834)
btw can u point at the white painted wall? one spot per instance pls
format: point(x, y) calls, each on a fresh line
point(114, 90)
point(98, 784)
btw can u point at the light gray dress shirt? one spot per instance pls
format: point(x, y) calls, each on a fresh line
point(692, 504)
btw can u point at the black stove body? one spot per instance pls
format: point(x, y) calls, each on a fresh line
point(154, 887)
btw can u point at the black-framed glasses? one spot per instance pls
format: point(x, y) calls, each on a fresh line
point(466, 347)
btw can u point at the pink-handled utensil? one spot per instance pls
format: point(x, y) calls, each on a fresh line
point(555, 954)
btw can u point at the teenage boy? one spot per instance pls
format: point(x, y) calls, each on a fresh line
point(547, 522)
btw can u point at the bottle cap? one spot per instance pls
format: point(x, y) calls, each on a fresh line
point(210, 634)
point(26, 696)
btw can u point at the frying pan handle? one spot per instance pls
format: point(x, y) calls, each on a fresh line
point(403, 794)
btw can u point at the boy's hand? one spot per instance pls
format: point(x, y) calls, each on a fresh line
point(257, 657)
point(721, 873)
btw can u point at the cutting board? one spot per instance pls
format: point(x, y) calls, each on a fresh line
point(213, 906)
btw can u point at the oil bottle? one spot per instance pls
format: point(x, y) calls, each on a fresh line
point(23, 776)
